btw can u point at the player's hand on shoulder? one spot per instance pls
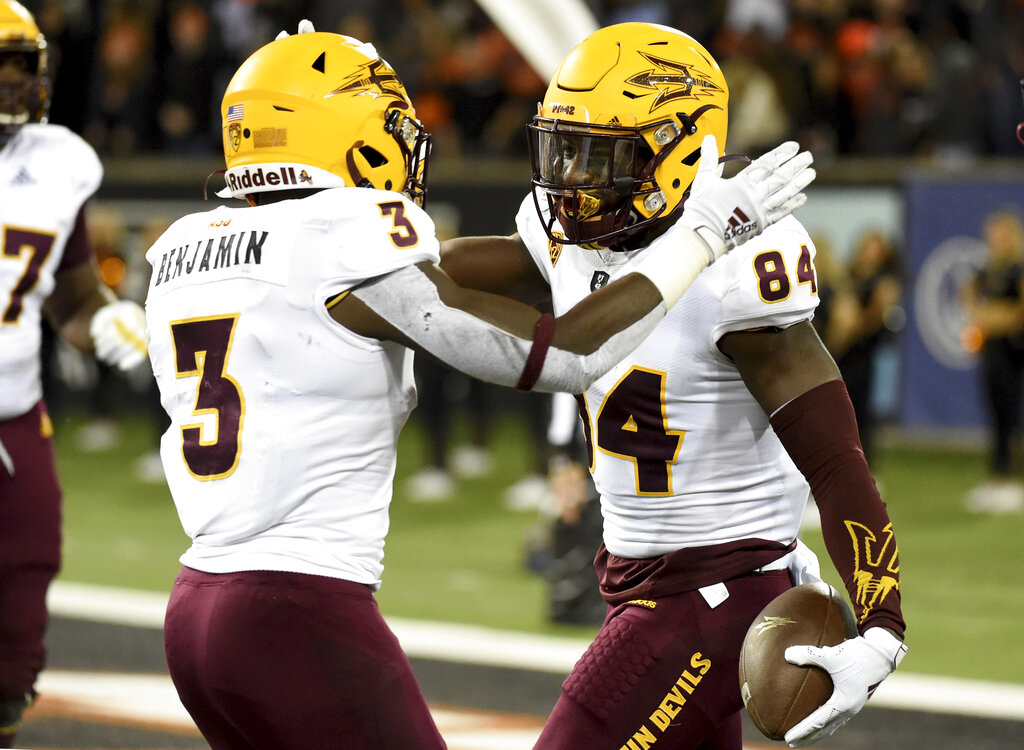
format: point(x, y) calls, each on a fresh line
point(727, 212)
point(857, 666)
point(118, 331)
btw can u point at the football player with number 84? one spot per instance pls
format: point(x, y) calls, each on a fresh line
point(706, 441)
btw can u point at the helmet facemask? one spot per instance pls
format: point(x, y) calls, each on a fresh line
point(414, 142)
point(592, 179)
point(23, 99)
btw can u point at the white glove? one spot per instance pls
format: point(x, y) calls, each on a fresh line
point(118, 333)
point(727, 212)
point(305, 27)
point(857, 666)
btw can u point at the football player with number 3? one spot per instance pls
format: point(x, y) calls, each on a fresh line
point(282, 337)
point(46, 267)
point(705, 441)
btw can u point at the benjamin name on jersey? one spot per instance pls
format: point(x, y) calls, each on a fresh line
point(227, 253)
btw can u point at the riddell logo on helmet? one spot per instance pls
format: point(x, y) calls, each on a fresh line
point(254, 178)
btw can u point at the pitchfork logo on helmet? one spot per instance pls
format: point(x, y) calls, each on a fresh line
point(672, 81)
point(24, 94)
point(616, 141)
point(375, 78)
point(325, 107)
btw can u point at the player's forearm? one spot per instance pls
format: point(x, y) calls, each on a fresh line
point(78, 293)
point(565, 371)
point(502, 342)
point(72, 322)
point(819, 431)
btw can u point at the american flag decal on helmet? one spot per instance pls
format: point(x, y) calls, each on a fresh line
point(236, 112)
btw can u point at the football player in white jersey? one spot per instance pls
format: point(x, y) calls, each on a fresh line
point(705, 441)
point(282, 336)
point(46, 267)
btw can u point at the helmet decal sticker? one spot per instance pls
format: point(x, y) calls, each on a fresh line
point(270, 137)
point(672, 81)
point(554, 249)
point(375, 78)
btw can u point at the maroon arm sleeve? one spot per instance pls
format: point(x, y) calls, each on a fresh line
point(819, 431)
point(543, 332)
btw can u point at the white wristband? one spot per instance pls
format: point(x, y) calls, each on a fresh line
point(673, 266)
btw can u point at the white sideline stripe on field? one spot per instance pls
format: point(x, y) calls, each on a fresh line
point(151, 700)
point(470, 644)
point(466, 644)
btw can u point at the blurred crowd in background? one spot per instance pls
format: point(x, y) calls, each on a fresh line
point(935, 79)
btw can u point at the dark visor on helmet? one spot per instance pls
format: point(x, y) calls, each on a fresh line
point(586, 179)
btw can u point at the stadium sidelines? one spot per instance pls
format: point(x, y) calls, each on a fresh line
point(151, 702)
point(469, 644)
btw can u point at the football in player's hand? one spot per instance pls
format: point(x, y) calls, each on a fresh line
point(778, 694)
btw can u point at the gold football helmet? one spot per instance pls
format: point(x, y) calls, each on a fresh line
point(616, 141)
point(24, 97)
point(320, 110)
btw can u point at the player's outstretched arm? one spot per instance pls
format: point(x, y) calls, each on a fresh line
point(498, 339)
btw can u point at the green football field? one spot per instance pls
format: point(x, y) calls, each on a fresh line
point(463, 559)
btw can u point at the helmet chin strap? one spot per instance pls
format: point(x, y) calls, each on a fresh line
point(350, 162)
point(206, 183)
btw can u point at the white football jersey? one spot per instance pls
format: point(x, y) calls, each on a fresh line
point(683, 456)
point(282, 445)
point(46, 174)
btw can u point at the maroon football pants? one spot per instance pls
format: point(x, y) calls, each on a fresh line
point(287, 661)
point(662, 674)
point(30, 538)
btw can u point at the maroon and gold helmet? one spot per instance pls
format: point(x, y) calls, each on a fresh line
point(27, 99)
point(616, 141)
point(316, 110)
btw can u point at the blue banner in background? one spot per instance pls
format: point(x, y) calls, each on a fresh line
point(944, 247)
